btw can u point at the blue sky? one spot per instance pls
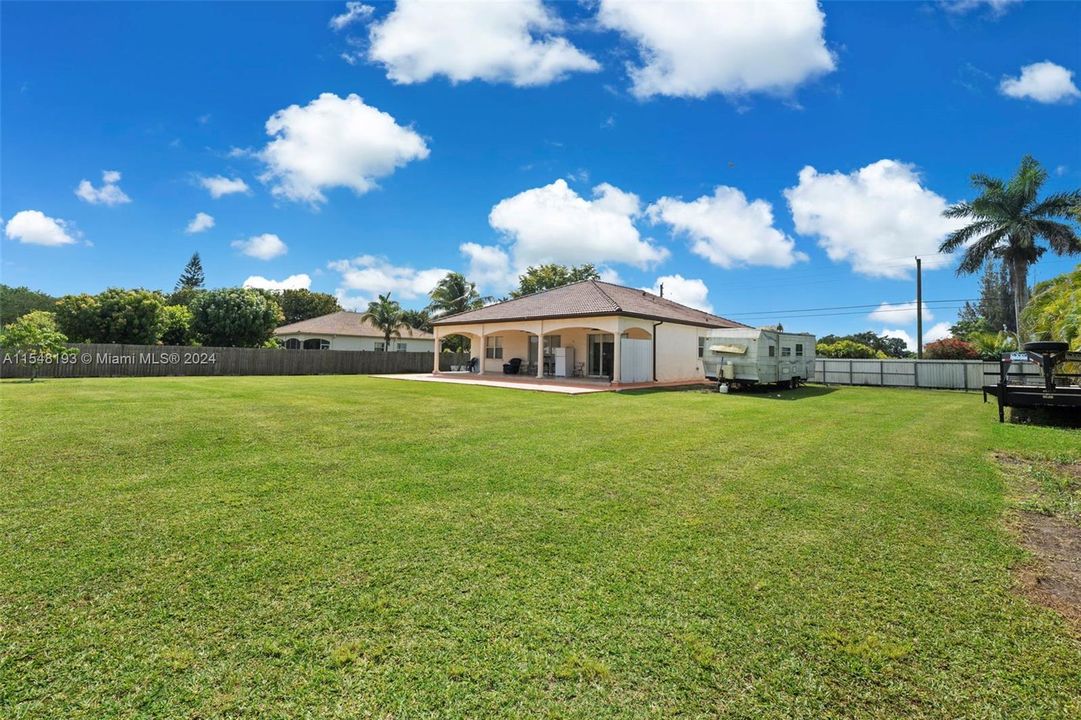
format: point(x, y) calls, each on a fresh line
point(785, 162)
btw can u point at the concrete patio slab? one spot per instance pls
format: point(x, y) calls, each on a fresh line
point(569, 386)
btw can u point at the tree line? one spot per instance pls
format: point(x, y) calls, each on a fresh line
point(232, 317)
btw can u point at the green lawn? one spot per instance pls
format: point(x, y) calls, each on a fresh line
point(364, 547)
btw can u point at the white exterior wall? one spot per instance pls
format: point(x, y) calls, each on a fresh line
point(677, 352)
point(353, 342)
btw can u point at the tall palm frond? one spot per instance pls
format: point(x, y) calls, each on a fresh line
point(385, 314)
point(1009, 223)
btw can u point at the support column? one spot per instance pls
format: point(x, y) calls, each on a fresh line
point(438, 351)
point(616, 356)
point(540, 351)
point(482, 352)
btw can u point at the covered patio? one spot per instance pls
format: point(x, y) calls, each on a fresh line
point(580, 350)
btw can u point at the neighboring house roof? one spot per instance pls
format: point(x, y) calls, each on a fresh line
point(345, 323)
point(585, 298)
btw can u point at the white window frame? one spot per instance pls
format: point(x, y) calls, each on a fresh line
point(293, 344)
point(799, 349)
point(380, 346)
point(702, 346)
point(786, 352)
point(493, 347)
point(772, 351)
point(400, 347)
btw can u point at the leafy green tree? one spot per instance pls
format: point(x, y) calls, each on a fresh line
point(304, 304)
point(454, 294)
point(114, 316)
point(130, 316)
point(887, 346)
point(417, 319)
point(79, 317)
point(17, 301)
point(183, 296)
point(551, 275)
point(969, 323)
point(1008, 222)
point(385, 314)
point(176, 325)
point(847, 349)
point(192, 277)
point(1054, 313)
point(35, 335)
point(234, 317)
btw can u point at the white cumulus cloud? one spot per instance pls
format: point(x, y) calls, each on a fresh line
point(691, 48)
point(686, 291)
point(514, 42)
point(366, 276)
point(301, 281)
point(219, 186)
point(334, 142)
point(199, 223)
point(727, 230)
point(874, 218)
point(910, 342)
point(555, 224)
point(1044, 82)
point(108, 194)
point(938, 331)
point(265, 247)
point(489, 266)
point(354, 12)
point(901, 313)
point(33, 227)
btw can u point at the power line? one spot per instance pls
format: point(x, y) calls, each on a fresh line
point(763, 313)
point(837, 314)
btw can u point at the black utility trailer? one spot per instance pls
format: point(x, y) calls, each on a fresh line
point(1054, 392)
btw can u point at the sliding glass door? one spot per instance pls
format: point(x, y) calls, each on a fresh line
point(602, 348)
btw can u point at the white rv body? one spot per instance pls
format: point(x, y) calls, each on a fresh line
point(752, 356)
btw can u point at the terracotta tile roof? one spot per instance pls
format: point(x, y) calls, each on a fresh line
point(344, 323)
point(589, 297)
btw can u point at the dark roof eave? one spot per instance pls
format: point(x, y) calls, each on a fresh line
point(606, 313)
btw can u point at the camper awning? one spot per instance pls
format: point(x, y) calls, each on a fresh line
point(734, 349)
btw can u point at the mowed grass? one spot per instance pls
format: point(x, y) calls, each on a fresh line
point(365, 547)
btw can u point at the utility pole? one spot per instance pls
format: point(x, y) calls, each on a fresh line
point(919, 309)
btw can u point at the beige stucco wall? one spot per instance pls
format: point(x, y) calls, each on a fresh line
point(677, 348)
point(350, 342)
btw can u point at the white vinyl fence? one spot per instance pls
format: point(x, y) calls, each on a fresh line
point(940, 374)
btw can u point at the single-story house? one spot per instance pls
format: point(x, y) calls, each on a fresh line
point(347, 330)
point(577, 326)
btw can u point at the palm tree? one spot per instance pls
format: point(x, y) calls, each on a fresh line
point(1008, 220)
point(385, 314)
point(455, 294)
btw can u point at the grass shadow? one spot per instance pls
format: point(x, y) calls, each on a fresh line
point(773, 393)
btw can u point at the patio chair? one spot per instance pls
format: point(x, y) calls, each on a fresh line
point(474, 365)
point(512, 367)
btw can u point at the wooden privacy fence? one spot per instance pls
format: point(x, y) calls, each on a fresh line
point(937, 374)
point(95, 360)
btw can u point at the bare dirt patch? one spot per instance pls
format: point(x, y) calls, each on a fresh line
point(1054, 578)
point(1048, 526)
